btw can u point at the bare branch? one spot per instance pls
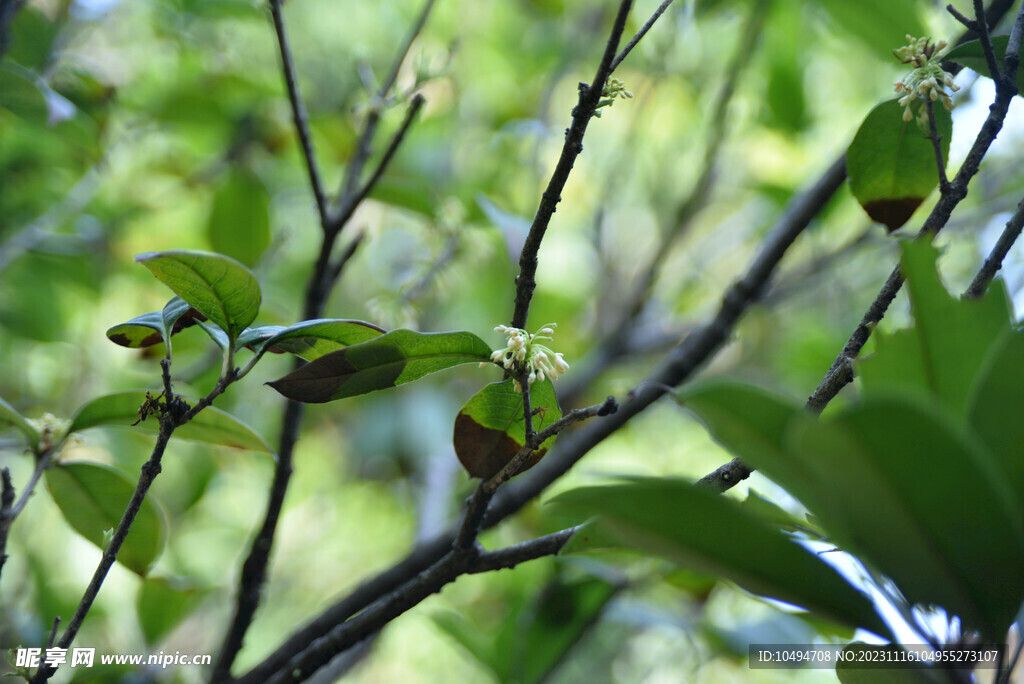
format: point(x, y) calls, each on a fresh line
point(299, 111)
point(994, 261)
point(349, 203)
point(589, 96)
point(640, 34)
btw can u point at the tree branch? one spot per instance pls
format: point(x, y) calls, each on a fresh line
point(6, 502)
point(589, 96)
point(350, 202)
point(994, 261)
point(428, 582)
point(640, 34)
point(299, 115)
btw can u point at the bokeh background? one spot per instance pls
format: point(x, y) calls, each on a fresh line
point(129, 127)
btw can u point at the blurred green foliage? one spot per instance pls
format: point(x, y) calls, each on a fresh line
point(138, 127)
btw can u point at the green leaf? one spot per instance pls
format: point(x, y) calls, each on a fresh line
point(972, 56)
point(239, 223)
point(161, 604)
point(152, 328)
point(880, 24)
point(997, 395)
point(916, 497)
point(752, 423)
point(951, 337)
point(711, 533)
point(93, 498)
point(210, 425)
point(395, 358)
point(310, 339)
point(219, 287)
point(409, 193)
point(490, 428)
point(10, 416)
point(891, 162)
point(219, 337)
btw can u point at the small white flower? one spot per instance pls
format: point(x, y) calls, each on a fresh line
point(523, 353)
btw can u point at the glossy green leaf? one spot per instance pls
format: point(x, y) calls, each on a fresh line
point(93, 498)
point(310, 339)
point(944, 350)
point(219, 337)
point(891, 162)
point(162, 603)
point(152, 328)
point(713, 534)
point(993, 406)
point(490, 428)
point(880, 24)
point(219, 287)
point(752, 423)
point(239, 222)
point(210, 425)
point(11, 417)
point(971, 56)
point(915, 496)
point(395, 358)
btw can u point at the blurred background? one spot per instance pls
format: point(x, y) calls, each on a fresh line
point(129, 127)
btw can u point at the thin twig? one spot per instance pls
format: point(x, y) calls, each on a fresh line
point(940, 163)
point(429, 582)
point(354, 168)
point(640, 34)
point(149, 472)
point(994, 261)
point(6, 501)
point(349, 203)
point(299, 115)
point(589, 96)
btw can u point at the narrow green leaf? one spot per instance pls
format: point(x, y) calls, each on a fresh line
point(910, 492)
point(950, 339)
point(712, 534)
point(310, 339)
point(891, 162)
point(972, 56)
point(395, 358)
point(152, 328)
point(93, 497)
point(219, 287)
point(162, 603)
point(239, 223)
point(210, 425)
point(490, 428)
point(9, 415)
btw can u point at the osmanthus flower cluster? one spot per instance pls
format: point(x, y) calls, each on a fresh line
point(927, 81)
point(523, 352)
